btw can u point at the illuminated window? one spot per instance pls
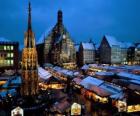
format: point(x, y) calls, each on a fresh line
point(12, 47)
point(8, 47)
point(8, 55)
point(8, 62)
point(12, 55)
point(5, 48)
point(12, 62)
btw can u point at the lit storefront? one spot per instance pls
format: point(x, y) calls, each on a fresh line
point(75, 109)
point(95, 97)
point(45, 86)
point(122, 106)
point(71, 65)
point(133, 108)
point(2, 82)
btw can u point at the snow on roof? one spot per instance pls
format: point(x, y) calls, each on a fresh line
point(112, 40)
point(76, 73)
point(88, 46)
point(135, 82)
point(12, 91)
point(85, 67)
point(17, 80)
point(120, 96)
point(3, 93)
point(77, 80)
point(43, 74)
point(70, 73)
point(111, 88)
point(64, 71)
point(57, 68)
point(134, 67)
point(4, 39)
point(125, 44)
point(128, 75)
point(91, 80)
point(105, 73)
point(98, 90)
point(138, 46)
point(93, 65)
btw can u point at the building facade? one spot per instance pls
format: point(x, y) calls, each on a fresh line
point(110, 50)
point(86, 53)
point(59, 48)
point(40, 48)
point(8, 54)
point(137, 55)
point(131, 55)
point(29, 62)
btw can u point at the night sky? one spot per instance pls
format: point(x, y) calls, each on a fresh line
point(84, 19)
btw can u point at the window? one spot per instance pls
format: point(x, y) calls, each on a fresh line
point(12, 47)
point(5, 48)
point(12, 55)
point(8, 47)
point(8, 55)
point(8, 62)
point(12, 62)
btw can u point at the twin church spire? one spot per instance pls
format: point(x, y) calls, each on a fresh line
point(29, 17)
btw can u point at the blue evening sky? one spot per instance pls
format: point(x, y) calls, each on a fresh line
point(84, 19)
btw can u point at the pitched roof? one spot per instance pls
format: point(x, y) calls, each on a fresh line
point(129, 76)
point(138, 46)
point(43, 74)
point(111, 40)
point(125, 44)
point(91, 80)
point(88, 46)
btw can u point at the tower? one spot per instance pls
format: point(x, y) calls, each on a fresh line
point(29, 62)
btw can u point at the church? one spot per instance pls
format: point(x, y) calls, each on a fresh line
point(59, 48)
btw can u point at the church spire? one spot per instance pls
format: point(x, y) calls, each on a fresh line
point(60, 17)
point(29, 17)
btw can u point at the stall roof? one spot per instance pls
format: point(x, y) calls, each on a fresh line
point(77, 80)
point(128, 75)
point(111, 88)
point(43, 74)
point(135, 81)
point(91, 80)
point(61, 106)
point(85, 67)
point(98, 90)
point(105, 73)
point(17, 80)
point(120, 95)
point(57, 68)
